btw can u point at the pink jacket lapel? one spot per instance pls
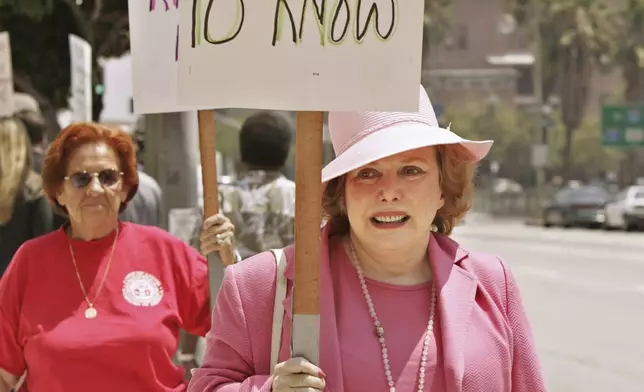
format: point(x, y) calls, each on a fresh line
point(456, 288)
point(330, 357)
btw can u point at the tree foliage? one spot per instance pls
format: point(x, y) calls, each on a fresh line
point(511, 131)
point(578, 38)
point(39, 31)
point(631, 53)
point(437, 23)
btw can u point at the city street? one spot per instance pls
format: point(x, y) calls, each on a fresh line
point(584, 293)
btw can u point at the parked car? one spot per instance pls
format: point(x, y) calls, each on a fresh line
point(576, 206)
point(626, 210)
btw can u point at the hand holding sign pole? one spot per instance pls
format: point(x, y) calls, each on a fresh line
point(208, 150)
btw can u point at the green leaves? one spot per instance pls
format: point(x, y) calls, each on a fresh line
point(436, 23)
point(40, 49)
point(34, 9)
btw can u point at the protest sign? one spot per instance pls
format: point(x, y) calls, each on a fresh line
point(80, 52)
point(6, 76)
point(301, 54)
point(154, 33)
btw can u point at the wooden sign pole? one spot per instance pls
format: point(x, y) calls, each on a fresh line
point(208, 150)
point(308, 198)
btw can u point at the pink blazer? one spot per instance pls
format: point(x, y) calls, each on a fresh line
point(486, 339)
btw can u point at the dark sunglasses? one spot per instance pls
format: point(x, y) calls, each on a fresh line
point(107, 178)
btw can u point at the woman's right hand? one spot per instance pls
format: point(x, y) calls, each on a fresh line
point(298, 374)
point(218, 235)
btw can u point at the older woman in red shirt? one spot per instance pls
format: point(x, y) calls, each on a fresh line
point(98, 304)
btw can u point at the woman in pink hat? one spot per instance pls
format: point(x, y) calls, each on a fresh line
point(402, 306)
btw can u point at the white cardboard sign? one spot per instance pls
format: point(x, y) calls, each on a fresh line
point(81, 79)
point(301, 54)
point(154, 29)
point(6, 76)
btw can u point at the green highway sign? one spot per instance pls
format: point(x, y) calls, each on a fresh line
point(623, 125)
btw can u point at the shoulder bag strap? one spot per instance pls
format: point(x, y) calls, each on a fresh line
point(278, 310)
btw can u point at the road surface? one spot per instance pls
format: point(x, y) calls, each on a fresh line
point(584, 294)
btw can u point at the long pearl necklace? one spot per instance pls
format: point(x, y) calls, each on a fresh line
point(380, 330)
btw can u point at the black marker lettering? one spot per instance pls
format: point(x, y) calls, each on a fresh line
point(341, 3)
point(276, 21)
point(207, 22)
point(373, 11)
point(176, 45)
point(319, 13)
point(193, 28)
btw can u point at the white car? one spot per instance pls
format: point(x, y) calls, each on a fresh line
point(626, 210)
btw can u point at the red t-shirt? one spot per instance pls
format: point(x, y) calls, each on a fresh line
point(156, 285)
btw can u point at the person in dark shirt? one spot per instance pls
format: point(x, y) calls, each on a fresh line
point(145, 207)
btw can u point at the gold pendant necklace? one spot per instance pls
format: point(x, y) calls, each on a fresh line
point(91, 311)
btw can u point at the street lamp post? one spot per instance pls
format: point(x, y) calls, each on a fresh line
point(540, 148)
point(494, 171)
point(171, 156)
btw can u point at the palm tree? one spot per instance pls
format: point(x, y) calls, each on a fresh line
point(587, 32)
point(631, 56)
point(577, 36)
point(631, 62)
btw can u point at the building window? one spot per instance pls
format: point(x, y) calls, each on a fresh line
point(497, 84)
point(461, 36)
point(524, 81)
point(454, 84)
point(522, 39)
point(457, 38)
point(477, 84)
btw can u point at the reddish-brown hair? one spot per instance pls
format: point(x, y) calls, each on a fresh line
point(79, 134)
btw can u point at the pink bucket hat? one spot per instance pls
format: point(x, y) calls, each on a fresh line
point(360, 138)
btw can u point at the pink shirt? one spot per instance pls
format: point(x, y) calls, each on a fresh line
point(405, 328)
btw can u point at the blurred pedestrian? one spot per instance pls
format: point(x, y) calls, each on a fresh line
point(28, 111)
point(25, 212)
point(146, 207)
point(261, 204)
point(98, 304)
